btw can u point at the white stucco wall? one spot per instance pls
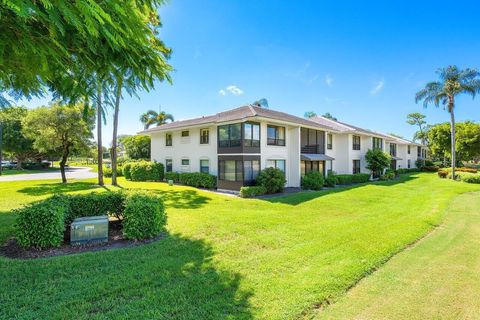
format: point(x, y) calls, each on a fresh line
point(186, 148)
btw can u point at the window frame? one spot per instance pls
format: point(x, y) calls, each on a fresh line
point(276, 140)
point(356, 146)
point(185, 136)
point(377, 146)
point(329, 141)
point(408, 149)
point(254, 143)
point(185, 159)
point(203, 167)
point(393, 151)
point(167, 165)
point(228, 127)
point(275, 164)
point(202, 141)
point(168, 139)
point(356, 169)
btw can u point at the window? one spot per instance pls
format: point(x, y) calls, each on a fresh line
point(377, 143)
point(393, 149)
point(251, 135)
point(308, 166)
point(408, 149)
point(238, 170)
point(204, 136)
point(312, 141)
point(185, 162)
point(408, 164)
point(168, 139)
point(168, 165)
point(275, 135)
point(356, 166)
point(419, 152)
point(230, 135)
point(356, 142)
point(185, 133)
point(279, 164)
point(329, 141)
point(205, 166)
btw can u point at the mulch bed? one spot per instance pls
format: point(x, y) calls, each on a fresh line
point(11, 249)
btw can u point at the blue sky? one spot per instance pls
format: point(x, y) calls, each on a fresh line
point(362, 61)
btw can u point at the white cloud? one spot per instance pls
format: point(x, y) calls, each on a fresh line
point(328, 80)
point(377, 88)
point(233, 89)
point(222, 92)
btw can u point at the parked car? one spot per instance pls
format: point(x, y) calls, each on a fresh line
point(7, 165)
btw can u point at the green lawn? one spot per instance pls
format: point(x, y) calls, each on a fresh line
point(227, 257)
point(9, 172)
point(436, 279)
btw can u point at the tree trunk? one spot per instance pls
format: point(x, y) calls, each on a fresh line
point(99, 136)
point(63, 161)
point(452, 127)
point(115, 128)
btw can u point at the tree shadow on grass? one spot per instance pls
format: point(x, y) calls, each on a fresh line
point(183, 199)
point(52, 188)
point(174, 278)
point(301, 197)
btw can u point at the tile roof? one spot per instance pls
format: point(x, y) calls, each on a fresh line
point(240, 113)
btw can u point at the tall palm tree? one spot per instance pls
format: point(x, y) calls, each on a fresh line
point(152, 117)
point(452, 82)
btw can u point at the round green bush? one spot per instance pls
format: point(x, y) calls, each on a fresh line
point(147, 171)
point(41, 225)
point(330, 180)
point(126, 170)
point(252, 191)
point(144, 216)
point(272, 179)
point(313, 180)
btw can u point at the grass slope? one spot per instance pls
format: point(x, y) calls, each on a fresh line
point(227, 257)
point(436, 279)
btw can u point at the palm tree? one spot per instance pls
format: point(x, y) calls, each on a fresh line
point(452, 83)
point(157, 118)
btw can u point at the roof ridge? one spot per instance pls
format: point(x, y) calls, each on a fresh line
point(253, 110)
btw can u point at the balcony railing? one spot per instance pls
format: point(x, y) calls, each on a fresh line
point(311, 149)
point(275, 142)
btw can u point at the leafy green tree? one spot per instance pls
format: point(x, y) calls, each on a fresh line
point(467, 140)
point(453, 82)
point(377, 161)
point(58, 130)
point(310, 114)
point(328, 115)
point(418, 119)
point(152, 117)
point(137, 147)
point(13, 140)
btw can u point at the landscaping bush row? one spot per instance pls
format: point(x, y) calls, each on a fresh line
point(193, 179)
point(343, 179)
point(107, 172)
point(407, 170)
point(429, 168)
point(461, 169)
point(467, 177)
point(143, 171)
point(42, 224)
point(252, 191)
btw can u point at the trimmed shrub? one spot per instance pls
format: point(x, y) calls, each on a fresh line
point(175, 176)
point(470, 177)
point(442, 173)
point(430, 168)
point(407, 170)
point(107, 172)
point(144, 216)
point(313, 180)
point(146, 171)
point(198, 179)
point(126, 170)
point(330, 180)
point(252, 191)
point(95, 204)
point(41, 225)
point(344, 179)
point(272, 179)
point(462, 169)
point(388, 175)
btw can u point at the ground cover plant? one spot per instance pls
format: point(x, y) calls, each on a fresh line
point(275, 258)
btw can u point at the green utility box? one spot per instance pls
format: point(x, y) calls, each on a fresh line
point(89, 230)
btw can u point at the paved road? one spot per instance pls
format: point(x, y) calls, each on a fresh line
point(71, 172)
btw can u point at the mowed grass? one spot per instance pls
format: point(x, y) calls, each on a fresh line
point(227, 257)
point(436, 279)
point(11, 172)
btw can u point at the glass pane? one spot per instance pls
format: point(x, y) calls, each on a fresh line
point(230, 170)
point(239, 172)
point(204, 163)
point(248, 170)
point(223, 133)
point(270, 163)
point(281, 133)
point(312, 137)
point(302, 166)
point(271, 132)
point(321, 166)
point(248, 131)
point(281, 165)
point(235, 135)
point(255, 168)
point(256, 132)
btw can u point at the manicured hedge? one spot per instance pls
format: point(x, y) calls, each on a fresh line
point(107, 172)
point(126, 170)
point(352, 178)
point(330, 180)
point(40, 225)
point(175, 176)
point(442, 173)
point(313, 180)
point(252, 191)
point(144, 216)
point(462, 169)
point(272, 179)
point(429, 168)
point(198, 179)
point(407, 170)
point(146, 171)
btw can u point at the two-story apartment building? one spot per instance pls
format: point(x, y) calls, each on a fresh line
point(236, 144)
